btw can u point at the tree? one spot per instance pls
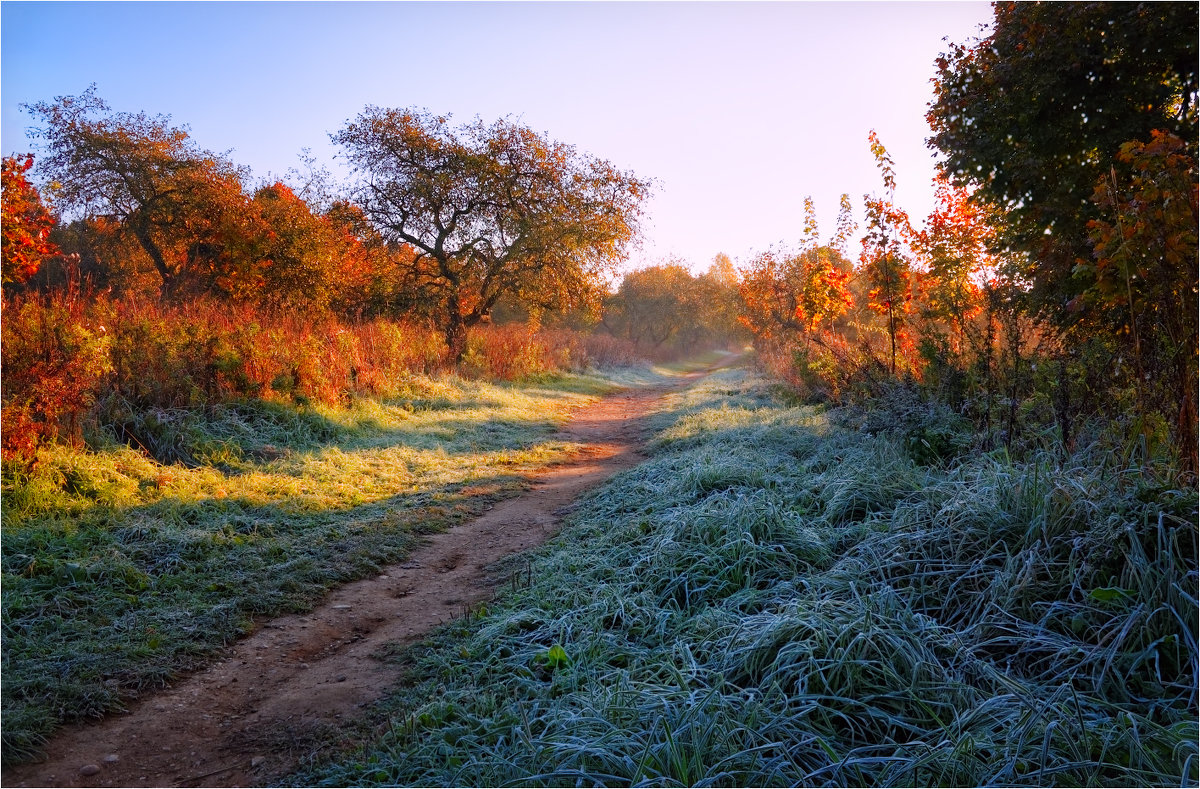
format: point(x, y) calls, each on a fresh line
point(655, 306)
point(883, 257)
point(721, 301)
point(1144, 275)
point(798, 293)
point(792, 303)
point(1034, 114)
point(804, 291)
point(27, 223)
point(491, 210)
point(370, 273)
point(299, 251)
point(173, 197)
point(954, 246)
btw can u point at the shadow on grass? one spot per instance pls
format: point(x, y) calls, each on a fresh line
point(107, 594)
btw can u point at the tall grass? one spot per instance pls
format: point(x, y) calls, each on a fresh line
point(776, 599)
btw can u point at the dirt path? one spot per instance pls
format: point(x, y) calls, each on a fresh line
point(245, 719)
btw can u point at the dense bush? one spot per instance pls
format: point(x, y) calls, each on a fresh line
point(55, 358)
point(70, 360)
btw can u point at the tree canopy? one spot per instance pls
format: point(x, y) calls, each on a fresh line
point(175, 198)
point(665, 308)
point(491, 209)
point(1035, 114)
point(27, 223)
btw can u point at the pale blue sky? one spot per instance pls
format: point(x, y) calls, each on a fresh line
point(738, 110)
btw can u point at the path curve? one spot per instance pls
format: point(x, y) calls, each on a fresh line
point(244, 719)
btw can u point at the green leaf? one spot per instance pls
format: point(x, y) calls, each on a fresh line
point(1110, 594)
point(556, 657)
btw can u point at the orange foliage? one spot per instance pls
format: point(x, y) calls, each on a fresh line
point(884, 258)
point(55, 360)
point(953, 245)
point(798, 293)
point(25, 240)
point(68, 358)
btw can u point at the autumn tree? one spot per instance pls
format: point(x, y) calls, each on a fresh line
point(178, 201)
point(803, 292)
point(1033, 115)
point(27, 223)
point(651, 306)
point(491, 209)
point(953, 244)
point(1143, 275)
point(370, 273)
point(721, 300)
point(884, 258)
point(297, 254)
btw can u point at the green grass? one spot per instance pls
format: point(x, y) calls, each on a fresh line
point(119, 571)
point(775, 599)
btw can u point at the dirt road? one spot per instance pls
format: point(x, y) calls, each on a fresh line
point(244, 719)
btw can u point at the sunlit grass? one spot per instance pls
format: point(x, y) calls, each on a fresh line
point(776, 600)
point(119, 571)
point(697, 362)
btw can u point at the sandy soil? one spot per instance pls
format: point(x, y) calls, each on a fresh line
point(245, 719)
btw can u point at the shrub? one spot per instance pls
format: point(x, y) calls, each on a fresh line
point(55, 361)
point(131, 365)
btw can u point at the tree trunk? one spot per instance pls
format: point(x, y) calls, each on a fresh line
point(167, 292)
point(456, 337)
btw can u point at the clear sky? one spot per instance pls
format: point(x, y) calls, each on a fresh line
point(738, 110)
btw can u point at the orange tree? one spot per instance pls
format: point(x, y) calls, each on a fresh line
point(298, 252)
point(490, 210)
point(171, 196)
point(801, 292)
point(369, 273)
point(884, 259)
point(27, 223)
point(796, 293)
point(953, 244)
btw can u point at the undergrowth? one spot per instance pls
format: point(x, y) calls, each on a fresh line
point(129, 561)
point(75, 360)
point(775, 599)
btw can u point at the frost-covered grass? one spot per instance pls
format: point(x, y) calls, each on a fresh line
point(119, 571)
point(773, 599)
